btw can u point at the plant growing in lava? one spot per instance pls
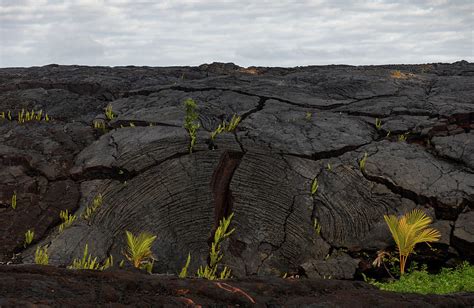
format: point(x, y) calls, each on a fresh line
point(409, 230)
point(109, 113)
point(67, 220)
point(215, 255)
point(139, 249)
point(29, 236)
point(217, 131)
point(41, 256)
point(362, 162)
point(232, 125)
point(191, 121)
point(14, 200)
point(403, 137)
point(378, 123)
point(314, 186)
point(317, 226)
point(90, 210)
point(87, 263)
point(184, 270)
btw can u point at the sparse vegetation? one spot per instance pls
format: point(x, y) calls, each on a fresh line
point(215, 255)
point(67, 220)
point(109, 114)
point(224, 126)
point(362, 162)
point(90, 210)
point(89, 263)
point(460, 279)
point(139, 249)
point(232, 125)
point(308, 116)
point(403, 137)
point(41, 256)
point(314, 186)
point(184, 270)
point(29, 236)
point(14, 200)
point(378, 123)
point(329, 167)
point(317, 226)
point(409, 230)
point(191, 123)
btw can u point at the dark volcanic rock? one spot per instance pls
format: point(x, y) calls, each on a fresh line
point(48, 286)
point(298, 124)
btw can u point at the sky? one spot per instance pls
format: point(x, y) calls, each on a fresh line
point(246, 32)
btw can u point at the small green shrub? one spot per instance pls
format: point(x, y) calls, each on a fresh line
point(89, 263)
point(215, 255)
point(447, 281)
point(41, 256)
point(90, 210)
point(67, 220)
point(139, 249)
point(29, 236)
point(191, 123)
point(184, 270)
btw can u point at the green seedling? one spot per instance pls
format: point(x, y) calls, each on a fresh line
point(217, 131)
point(378, 123)
point(29, 236)
point(362, 162)
point(14, 200)
point(317, 226)
point(215, 255)
point(67, 220)
point(90, 210)
point(132, 125)
point(139, 248)
point(329, 167)
point(308, 115)
point(184, 270)
point(314, 186)
point(232, 125)
point(41, 256)
point(89, 263)
point(109, 114)
point(403, 137)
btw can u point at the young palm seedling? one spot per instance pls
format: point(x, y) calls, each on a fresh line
point(67, 220)
point(409, 230)
point(29, 236)
point(41, 256)
point(184, 270)
point(90, 210)
point(14, 200)
point(89, 263)
point(215, 255)
point(362, 162)
point(139, 249)
point(314, 186)
point(232, 125)
point(109, 113)
point(378, 123)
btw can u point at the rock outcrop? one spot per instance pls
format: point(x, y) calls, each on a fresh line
point(297, 124)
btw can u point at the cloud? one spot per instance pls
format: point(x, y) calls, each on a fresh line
point(246, 32)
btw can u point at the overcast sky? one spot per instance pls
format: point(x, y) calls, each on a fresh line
point(246, 32)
